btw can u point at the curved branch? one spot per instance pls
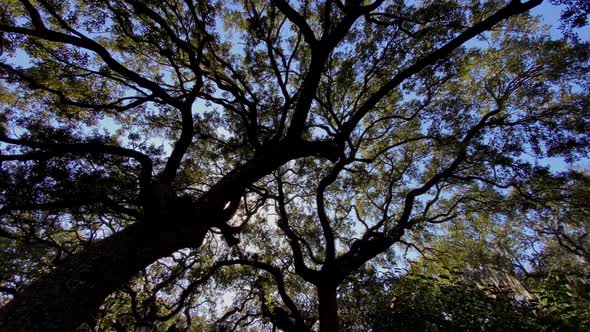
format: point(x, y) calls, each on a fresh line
point(321, 207)
point(181, 146)
point(54, 149)
point(280, 282)
point(79, 40)
point(298, 20)
point(300, 267)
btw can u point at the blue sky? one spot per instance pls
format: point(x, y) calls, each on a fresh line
point(550, 15)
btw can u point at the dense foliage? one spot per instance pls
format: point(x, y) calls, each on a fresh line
point(293, 165)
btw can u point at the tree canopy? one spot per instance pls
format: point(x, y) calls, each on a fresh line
point(294, 165)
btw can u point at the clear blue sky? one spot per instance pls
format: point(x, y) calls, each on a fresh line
point(550, 15)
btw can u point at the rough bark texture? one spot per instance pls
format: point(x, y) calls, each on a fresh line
point(73, 292)
point(328, 308)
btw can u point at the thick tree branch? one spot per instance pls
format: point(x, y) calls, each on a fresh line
point(298, 20)
point(181, 146)
point(319, 57)
point(512, 9)
point(321, 208)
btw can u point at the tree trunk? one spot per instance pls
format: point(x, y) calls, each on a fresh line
point(328, 308)
point(73, 292)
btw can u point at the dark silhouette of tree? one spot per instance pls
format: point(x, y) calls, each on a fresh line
point(133, 129)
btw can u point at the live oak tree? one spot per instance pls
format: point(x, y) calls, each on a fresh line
point(133, 129)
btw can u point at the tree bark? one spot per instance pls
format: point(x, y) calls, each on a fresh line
point(73, 292)
point(328, 308)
